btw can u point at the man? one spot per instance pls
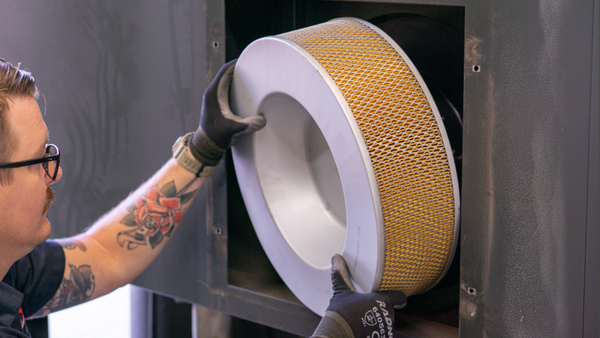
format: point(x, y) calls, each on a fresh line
point(40, 276)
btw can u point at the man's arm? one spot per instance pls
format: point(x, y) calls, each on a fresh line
point(121, 244)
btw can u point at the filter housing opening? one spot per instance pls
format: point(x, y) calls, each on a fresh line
point(256, 20)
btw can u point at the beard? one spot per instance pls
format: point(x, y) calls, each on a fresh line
point(49, 200)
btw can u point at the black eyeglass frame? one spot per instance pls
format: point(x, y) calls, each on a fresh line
point(44, 160)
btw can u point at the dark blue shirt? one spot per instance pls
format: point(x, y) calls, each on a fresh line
point(28, 285)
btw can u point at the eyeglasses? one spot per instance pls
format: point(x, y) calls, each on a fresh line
point(50, 161)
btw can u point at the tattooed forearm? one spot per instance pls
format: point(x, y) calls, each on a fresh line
point(73, 244)
point(74, 290)
point(154, 216)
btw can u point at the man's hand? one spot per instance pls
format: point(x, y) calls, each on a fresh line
point(351, 314)
point(219, 127)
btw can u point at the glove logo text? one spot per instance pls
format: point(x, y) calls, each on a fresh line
point(369, 318)
point(380, 317)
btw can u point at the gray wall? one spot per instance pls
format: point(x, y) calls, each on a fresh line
point(121, 81)
point(117, 82)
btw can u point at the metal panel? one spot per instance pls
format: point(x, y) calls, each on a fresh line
point(181, 269)
point(526, 167)
point(591, 311)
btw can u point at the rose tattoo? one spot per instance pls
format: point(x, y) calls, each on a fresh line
point(154, 216)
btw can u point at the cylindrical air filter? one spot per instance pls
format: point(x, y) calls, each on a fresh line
point(354, 159)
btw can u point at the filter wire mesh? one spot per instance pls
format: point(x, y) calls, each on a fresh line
point(405, 145)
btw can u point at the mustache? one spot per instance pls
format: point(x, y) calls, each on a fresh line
point(49, 199)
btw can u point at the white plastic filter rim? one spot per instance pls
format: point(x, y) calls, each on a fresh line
point(277, 66)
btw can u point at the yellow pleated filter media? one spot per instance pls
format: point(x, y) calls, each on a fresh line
point(405, 144)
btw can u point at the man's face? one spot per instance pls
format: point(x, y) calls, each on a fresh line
point(24, 202)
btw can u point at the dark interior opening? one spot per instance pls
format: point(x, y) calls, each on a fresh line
point(433, 38)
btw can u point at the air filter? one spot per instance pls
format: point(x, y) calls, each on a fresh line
point(354, 160)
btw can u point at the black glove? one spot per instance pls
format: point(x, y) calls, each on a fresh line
point(351, 314)
point(219, 128)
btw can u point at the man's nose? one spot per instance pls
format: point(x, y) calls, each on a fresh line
point(49, 180)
